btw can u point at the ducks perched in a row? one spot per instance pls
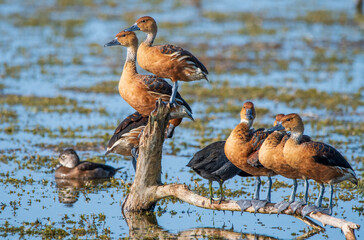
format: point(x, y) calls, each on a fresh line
point(166, 61)
point(242, 143)
point(142, 91)
point(314, 160)
point(70, 167)
point(211, 163)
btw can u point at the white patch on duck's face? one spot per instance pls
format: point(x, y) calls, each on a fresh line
point(69, 160)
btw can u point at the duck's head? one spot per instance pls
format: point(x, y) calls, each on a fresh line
point(247, 113)
point(278, 119)
point(126, 39)
point(292, 122)
point(69, 158)
point(145, 24)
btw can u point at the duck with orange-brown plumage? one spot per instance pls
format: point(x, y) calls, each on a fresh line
point(315, 160)
point(142, 91)
point(167, 61)
point(271, 157)
point(242, 144)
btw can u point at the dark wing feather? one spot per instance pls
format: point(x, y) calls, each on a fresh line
point(169, 49)
point(258, 137)
point(132, 121)
point(211, 163)
point(87, 166)
point(327, 155)
point(159, 85)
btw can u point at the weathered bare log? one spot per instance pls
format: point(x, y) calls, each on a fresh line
point(147, 189)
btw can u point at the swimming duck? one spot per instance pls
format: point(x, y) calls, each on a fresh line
point(240, 145)
point(70, 167)
point(211, 163)
point(271, 157)
point(142, 91)
point(315, 160)
point(167, 61)
point(125, 140)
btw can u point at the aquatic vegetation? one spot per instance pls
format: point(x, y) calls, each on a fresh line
point(106, 87)
point(305, 61)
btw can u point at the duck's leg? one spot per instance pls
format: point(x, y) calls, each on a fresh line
point(318, 202)
point(256, 203)
point(330, 201)
point(134, 155)
point(295, 205)
point(244, 204)
point(210, 190)
point(281, 206)
point(172, 100)
point(306, 191)
point(221, 191)
point(317, 207)
point(269, 188)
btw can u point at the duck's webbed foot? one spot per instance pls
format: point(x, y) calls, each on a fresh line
point(257, 204)
point(244, 204)
point(296, 205)
point(311, 208)
point(281, 206)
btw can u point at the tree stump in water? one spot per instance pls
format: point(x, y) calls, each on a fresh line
point(147, 188)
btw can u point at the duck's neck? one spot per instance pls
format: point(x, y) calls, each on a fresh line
point(296, 136)
point(130, 63)
point(249, 123)
point(241, 132)
point(150, 38)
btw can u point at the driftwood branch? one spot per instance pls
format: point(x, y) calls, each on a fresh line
point(147, 189)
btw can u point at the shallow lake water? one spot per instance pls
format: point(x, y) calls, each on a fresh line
point(58, 89)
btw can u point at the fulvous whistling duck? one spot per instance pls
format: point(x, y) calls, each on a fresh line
point(167, 61)
point(142, 91)
point(125, 140)
point(315, 160)
point(238, 148)
point(211, 163)
point(70, 167)
point(271, 157)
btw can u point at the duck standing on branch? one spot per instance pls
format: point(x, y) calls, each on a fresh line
point(125, 140)
point(166, 61)
point(315, 160)
point(271, 157)
point(142, 91)
point(70, 167)
point(211, 163)
point(241, 149)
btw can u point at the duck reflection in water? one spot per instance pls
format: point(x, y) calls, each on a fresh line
point(69, 189)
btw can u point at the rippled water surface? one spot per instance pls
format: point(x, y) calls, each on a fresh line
point(58, 89)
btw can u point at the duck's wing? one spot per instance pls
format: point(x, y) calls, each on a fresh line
point(88, 166)
point(132, 125)
point(162, 89)
point(209, 158)
point(327, 155)
point(181, 54)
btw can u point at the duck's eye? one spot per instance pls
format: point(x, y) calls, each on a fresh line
point(123, 35)
point(143, 21)
point(288, 120)
point(63, 157)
